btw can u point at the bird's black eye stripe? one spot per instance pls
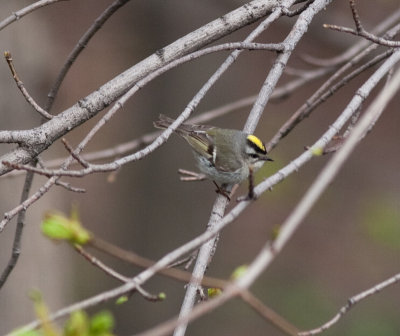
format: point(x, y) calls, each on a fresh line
point(210, 149)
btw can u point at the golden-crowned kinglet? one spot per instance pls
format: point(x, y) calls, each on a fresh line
point(225, 156)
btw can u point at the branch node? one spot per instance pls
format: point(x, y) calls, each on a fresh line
point(77, 157)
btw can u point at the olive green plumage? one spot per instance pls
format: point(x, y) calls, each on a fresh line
point(225, 156)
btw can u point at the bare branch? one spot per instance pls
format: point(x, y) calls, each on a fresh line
point(351, 303)
point(365, 34)
point(356, 17)
point(137, 260)
point(22, 88)
point(299, 29)
point(96, 262)
point(69, 187)
point(27, 203)
point(318, 97)
point(76, 156)
point(16, 250)
point(291, 13)
point(28, 9)
point(360, 31)
point(111, 272)
point(357, 47)
point(82, 43)
point(268, 314)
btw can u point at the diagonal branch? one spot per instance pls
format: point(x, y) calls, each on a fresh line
point(351, 303)
point(16, 250)
point(82, 43)
point(22, 88)
point(114, 274)
point(320, 96)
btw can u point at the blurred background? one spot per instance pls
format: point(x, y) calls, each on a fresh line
point(349, 242)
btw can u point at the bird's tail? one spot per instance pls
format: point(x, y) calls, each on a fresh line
point(164, 122)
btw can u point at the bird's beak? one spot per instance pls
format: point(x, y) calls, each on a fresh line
point(266, 158)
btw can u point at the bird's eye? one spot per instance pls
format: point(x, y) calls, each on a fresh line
point(254, 156)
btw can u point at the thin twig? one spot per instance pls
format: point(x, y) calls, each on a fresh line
point(268, 314)
point(139, 261)
point(82, 43)
point(357, 47)
point(337, 143)
point(351, 303)
point(338, 160)
point(360, 31)
point(24, 11)
point(77, 157)
point(206, 306)
point(322, 94)
point(27, 203)
point(275, 73)
point(62, 184)
point(22, 88)
point(69, 187)
point(96, 262)
point(365, 34)
point(187, 261)
point(114, 274)
point(356, 17)
point(16, 249)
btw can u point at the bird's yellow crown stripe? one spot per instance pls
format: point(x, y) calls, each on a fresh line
point(256, 141)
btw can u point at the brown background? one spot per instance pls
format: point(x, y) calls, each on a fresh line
point(340, 248)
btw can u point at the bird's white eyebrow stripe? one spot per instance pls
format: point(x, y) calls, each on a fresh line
point(214, 154)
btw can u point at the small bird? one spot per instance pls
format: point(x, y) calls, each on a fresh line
point(225, 156)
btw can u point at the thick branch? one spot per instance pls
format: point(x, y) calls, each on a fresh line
point(43, 136)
